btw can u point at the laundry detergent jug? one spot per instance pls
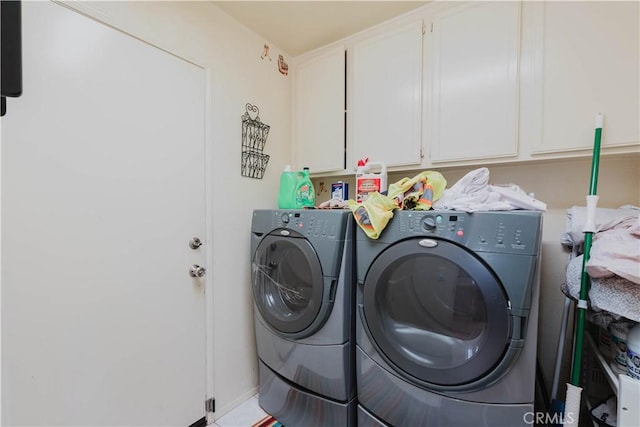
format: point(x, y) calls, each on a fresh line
point(367, 181)
point(305, 195)
point(287, 189)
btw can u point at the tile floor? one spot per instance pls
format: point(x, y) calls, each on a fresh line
point(244, 415)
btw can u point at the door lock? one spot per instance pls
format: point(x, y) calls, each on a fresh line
point(196, 271)
point(195, 243)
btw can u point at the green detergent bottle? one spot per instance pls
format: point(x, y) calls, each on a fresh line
point(305, 196)
point(287, 189)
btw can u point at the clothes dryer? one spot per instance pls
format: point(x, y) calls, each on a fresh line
point(446, 326)
point(303, 288)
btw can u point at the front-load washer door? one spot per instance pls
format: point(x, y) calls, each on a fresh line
point(288, 285)
point(436, 313)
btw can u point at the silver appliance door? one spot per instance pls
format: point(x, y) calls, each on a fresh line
point(287, 282)
point(436, 313)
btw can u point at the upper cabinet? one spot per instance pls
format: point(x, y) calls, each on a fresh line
point(319, 109)
point(384, 102)
point(472, 82)
point(590, 61)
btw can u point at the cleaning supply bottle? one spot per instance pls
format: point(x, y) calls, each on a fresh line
point(618, 331)
point(287, 189)
point(633, 352)
point(368, 182)
point(305, 195)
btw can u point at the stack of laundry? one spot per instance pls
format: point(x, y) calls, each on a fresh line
point(614, 261)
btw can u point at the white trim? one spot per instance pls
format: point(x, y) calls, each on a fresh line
point(209, 302)
point(84, 8)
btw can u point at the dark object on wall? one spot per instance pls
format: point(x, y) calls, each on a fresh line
point(10, 50)
point(254, 137)
point(283, 67)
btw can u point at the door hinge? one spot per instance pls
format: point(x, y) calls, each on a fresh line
point(210, 405)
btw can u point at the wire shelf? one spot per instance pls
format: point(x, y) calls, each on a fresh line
point(254, 138)
point(254, 164)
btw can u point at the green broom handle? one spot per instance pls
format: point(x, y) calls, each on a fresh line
point(584, 283)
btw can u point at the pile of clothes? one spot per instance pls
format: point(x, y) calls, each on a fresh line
point(428, 190)
point(614, 261)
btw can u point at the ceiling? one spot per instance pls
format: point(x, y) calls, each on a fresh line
point(297, 27)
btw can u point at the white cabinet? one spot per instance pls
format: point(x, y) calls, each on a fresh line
point(384, 102)
point(590, 63)
point(319, 109)
point(472, 82)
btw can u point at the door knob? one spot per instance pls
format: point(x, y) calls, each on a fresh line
point(195, 243)
point(196, 271)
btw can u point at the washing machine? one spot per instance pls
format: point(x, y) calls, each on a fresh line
point(304, 295)
point(446, 331)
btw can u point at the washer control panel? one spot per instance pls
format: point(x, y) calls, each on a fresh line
point(323, 224)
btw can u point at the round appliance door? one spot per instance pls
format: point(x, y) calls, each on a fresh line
point(287, 282)
point(436, 313)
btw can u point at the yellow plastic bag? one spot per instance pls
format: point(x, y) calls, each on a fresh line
point(373, 214)
point(419, 192)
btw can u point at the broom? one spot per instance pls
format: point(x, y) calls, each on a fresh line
point(574, 391)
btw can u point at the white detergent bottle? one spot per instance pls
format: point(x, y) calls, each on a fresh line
point(368, 181)
point(633, 352)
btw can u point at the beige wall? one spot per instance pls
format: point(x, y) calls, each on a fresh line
point(561, 184)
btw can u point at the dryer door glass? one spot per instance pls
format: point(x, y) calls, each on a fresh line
point(287, 282)
point(437, 314)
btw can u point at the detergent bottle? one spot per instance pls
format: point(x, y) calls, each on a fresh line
point(367, 181)
point(305, 195)
point(633, 352)
point(287, 189)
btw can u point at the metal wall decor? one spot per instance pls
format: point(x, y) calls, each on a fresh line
point(254, 137)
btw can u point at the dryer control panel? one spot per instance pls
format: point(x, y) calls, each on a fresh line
point(502, 232)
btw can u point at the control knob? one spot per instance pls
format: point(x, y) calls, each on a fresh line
point(429, 223)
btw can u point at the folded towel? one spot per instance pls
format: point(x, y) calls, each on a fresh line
point(334, 203)
point(616, 251)
point(605, 219)
point(614, 294)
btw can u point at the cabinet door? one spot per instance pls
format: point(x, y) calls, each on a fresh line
point(319, 138)
point(472, 66)
point(385, 97)
point(590, 63)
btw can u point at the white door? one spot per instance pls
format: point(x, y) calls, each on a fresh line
point(103, 186)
